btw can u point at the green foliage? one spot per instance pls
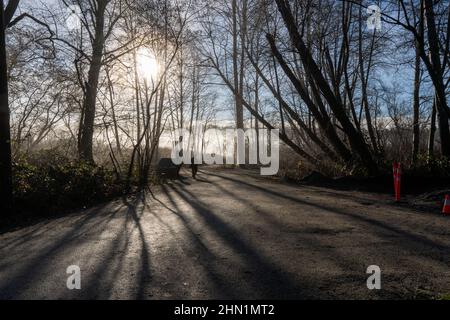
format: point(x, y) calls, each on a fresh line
point(437, 167)
point(43, 186)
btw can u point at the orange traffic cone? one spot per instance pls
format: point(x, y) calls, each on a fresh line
point(446, 209)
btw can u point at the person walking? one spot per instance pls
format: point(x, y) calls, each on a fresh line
point(194, 167)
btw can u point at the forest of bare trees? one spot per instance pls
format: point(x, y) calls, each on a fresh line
point(106, 83)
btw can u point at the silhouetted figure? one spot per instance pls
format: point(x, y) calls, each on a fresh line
point(194, 168)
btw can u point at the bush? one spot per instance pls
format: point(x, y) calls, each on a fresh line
point(44, 187)
point(432, 167)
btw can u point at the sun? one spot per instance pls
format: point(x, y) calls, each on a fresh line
point(147, 64)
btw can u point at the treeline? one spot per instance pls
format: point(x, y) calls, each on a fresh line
point(340, 91)
point(91, 86)
point(103, 82)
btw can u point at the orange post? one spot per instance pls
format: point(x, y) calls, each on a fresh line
point(446, 209)
point(397, 172)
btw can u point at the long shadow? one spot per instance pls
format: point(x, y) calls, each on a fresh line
point(110, 268)
point(28, 272)
point(208, 258)
point(266, 215)
point(271, 282)
point(320, 189)
point(351, 267)
point(107, 270)
point(43, 226)
point(381, 225)
point(198, 242)
point(305, 240)
point(202, 180)
point(144, 274)
point(31, 233)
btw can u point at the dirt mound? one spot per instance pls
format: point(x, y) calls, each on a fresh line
point(438, 196)
point(430, 201)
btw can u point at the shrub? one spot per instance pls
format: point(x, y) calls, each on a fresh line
point(434, 167)
point(45, 187)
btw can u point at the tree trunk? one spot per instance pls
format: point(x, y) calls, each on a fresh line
point(444, 132)
point(438, 81)
point(87, 130)
point(416, 107)
point(236, 75)
point(5, 133)
point(432, 131)
point(113, 114)
point(277, 82)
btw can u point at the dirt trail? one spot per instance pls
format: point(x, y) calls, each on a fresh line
point(231, 235)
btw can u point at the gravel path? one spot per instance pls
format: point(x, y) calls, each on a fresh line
point(231, 235)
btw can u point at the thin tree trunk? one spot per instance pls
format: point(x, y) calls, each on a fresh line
point(257, 111)
point(113, 114)
point(432, 131)
point(138, 102)
point(416, 107)
point(277, 82)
